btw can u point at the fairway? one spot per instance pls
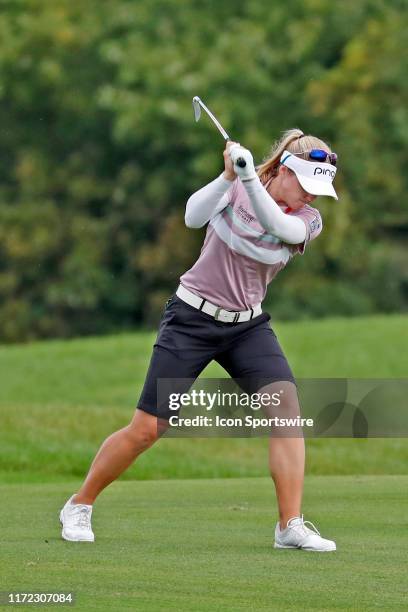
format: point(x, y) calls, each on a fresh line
point(207, 545)
point(190, 525)
point(60, 399)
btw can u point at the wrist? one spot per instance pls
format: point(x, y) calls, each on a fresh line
point(228, 176)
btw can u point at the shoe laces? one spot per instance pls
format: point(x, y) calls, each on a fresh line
point(82, 516)
point(302, 528)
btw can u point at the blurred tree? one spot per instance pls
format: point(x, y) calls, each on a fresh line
point(366, 94)
point(99, 150)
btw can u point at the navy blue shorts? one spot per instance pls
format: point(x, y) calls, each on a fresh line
point(189, 339)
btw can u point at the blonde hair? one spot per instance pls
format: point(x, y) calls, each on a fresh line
point(294, 141)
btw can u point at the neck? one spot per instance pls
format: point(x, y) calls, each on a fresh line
point(272, 186)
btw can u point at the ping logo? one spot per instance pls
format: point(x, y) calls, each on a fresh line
point(325, 171)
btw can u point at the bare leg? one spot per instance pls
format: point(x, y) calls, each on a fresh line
point(117, 453)
point(287, 464)
point(287, 455)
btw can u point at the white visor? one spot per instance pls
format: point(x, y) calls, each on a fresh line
point(315, 177)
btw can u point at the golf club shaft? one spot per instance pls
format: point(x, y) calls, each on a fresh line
point(213, 119)
point(196, 100)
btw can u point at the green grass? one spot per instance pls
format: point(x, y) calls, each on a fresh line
point(60, 399)
point(203, 544)
point(207, 545)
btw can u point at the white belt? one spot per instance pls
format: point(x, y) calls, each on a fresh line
point(219, 314)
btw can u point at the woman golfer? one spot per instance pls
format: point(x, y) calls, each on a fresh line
point(257, 221)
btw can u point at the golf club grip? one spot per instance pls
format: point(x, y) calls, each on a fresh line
point(240, 161)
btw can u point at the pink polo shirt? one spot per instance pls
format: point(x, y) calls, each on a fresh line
point(239, 258)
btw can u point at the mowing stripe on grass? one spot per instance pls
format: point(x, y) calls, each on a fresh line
point(207, 545)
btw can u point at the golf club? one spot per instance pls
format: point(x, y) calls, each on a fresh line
point(198, 104)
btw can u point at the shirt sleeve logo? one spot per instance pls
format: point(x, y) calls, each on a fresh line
point(314, 224)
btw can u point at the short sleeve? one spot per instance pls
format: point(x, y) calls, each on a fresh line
point(314, 225)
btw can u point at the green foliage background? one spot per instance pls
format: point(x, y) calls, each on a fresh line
point(99, 150)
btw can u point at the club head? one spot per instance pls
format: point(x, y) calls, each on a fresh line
point(197, 107)
point(198, 104)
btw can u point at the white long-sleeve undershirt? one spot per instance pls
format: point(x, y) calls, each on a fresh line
point(208, 201)
point(211, 199)
point(291, 230)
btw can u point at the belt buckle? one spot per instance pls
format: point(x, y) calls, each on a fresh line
point(217, 316)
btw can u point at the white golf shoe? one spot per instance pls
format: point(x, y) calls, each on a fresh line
point(76, 522)
point(298, 535)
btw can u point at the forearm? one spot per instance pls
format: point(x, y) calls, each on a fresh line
point(289, 229)
point(206, 202)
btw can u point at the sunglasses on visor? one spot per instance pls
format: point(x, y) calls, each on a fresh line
point(322, 156)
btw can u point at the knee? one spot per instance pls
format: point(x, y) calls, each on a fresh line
point(143, 437)
point(143, 430)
